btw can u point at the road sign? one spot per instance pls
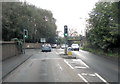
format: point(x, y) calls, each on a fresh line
point(43, 40)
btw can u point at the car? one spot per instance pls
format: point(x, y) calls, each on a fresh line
point(63, 46)
point(54, 45)
point(75, 47)
point(46, 47)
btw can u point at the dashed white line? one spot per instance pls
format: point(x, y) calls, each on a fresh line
point(83, 78)
point(101, 78)
point(60, 67)
point(68, 64)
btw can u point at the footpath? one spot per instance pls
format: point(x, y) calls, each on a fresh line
point(12, 63)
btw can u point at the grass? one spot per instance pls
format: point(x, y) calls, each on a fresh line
point(100, 52)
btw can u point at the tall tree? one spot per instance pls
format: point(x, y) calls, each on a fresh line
point(103, 26)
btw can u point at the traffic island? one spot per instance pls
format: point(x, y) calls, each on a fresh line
point(65, 56)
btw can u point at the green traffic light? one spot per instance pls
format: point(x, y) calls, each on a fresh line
point(66, 34)
point(25, 36)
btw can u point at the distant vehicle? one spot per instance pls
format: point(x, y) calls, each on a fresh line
point(54, 45)
point(75, 47)
point(63, 46)
point(49, 45)
point(46, 47)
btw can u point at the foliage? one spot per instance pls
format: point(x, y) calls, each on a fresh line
point(19, 43)
point(102, 31)
point(19, 15)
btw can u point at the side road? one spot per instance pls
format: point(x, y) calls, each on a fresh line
point(10, 64)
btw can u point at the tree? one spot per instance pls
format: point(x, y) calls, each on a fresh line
point(40, 23)
point(102, 30)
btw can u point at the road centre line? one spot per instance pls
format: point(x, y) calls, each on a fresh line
point(101, 78)
point(60, 67)
point(83, 78)
point(68, 64)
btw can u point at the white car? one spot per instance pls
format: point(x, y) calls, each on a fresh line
point(75, 47)
point(63, 46)
point(54, 45)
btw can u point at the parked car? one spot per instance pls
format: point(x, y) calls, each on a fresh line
point(63, 46)
point(46, 47)
point(75, 47)
point(54, 45)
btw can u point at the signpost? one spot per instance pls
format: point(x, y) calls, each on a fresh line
point(43, 40)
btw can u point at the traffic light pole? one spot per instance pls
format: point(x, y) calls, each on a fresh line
point(65, 35)
point(24, 40)
point(66, 46)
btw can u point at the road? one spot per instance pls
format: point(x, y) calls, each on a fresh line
point(52, 67)
point(106, 67)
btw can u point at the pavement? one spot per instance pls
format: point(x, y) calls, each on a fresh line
point(12, 63)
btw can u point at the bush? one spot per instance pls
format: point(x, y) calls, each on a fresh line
point(19, 43)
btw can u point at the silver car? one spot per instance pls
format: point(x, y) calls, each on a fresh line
point(46, 47)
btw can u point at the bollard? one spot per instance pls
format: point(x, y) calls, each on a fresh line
point(69, 52)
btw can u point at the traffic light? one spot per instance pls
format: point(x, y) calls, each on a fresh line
point(65, 31)
point(25, 33)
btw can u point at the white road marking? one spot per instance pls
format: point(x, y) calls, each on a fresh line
point(84, 63)
point(75, 59)
point(83, 78)
point(101, 78)
point(87, 74)
point(68, 64)
point(91, 74)
point(80, 67)
point(81, 61)
point(60, 67)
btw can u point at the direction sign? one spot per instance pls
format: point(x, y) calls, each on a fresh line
point(42, 40)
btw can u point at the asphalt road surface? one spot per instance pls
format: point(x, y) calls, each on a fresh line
point(52, 67)
point(106, 67)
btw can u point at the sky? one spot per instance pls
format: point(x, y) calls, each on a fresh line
point(67, 12)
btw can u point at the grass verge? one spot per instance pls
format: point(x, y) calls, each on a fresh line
point(101, 52)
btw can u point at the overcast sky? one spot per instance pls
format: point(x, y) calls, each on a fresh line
point(67, 12)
